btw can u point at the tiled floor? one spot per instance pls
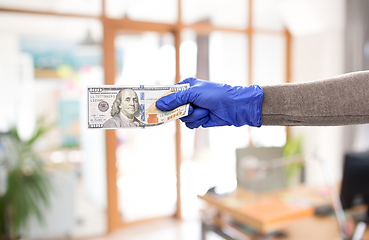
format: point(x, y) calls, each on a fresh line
point(164, 229)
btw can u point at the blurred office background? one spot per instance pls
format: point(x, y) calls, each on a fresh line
point(106, 181)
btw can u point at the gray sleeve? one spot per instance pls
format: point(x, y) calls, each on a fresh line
point(340, 100)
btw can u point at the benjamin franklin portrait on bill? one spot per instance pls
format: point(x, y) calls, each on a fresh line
point(125, 111)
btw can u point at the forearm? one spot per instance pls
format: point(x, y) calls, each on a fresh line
point(340, 100)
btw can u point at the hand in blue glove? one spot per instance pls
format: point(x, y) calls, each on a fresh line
point(213, 104)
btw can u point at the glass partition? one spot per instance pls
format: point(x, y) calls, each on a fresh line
point(266, 15)
point(146, 179)
point(220, 13)
point(269, 67)
point(228, 58)
point(209, 154)
point(228, 64)
point(188, 54)
point(146, 58)
point(269, 59)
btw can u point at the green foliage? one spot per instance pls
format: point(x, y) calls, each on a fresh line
point(28, 186)
point(293, 147)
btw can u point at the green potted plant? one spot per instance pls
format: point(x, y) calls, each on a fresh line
point(27, 186)
point(293, 148)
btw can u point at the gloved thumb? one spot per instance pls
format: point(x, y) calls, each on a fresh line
point(173, 100)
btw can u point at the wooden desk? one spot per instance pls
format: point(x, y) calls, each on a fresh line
point(225, 216)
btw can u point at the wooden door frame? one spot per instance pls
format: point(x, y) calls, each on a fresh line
point(112, 27)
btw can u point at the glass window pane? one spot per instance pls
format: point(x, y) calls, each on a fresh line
point(209, 154)
point(228, 58)
point(146, 177)
point(221, 13)
point(266, 14)
point(268, 136)
point(226, 54)
point(268, 68)
point(145, 58)
point(188, 54)
point(164, 11)
point(83, 7)
point(269, 59)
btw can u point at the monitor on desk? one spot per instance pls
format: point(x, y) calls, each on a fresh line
point(355, 182)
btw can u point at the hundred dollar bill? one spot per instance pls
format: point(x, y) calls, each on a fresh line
point(111, 106)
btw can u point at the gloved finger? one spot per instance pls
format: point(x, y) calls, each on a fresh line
point(215, 121)
point(173, 100)
point(197, 114)
point(197, 123)
point(190, 110)
point(190, 80)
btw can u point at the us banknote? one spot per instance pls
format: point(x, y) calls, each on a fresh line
point(111, 106)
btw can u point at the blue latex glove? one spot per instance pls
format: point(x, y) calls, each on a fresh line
point(213, 104)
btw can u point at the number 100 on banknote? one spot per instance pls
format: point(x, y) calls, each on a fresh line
point(113, 106)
